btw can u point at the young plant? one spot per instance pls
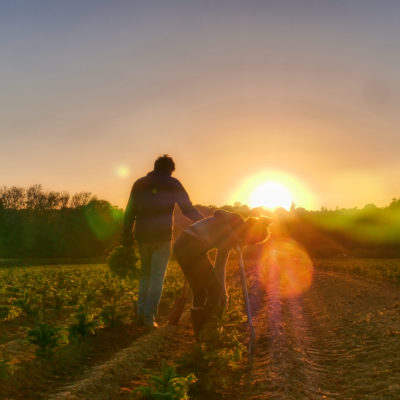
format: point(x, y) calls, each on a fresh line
point(84, 325)
point(4, 311)
point(168, 386)
point(28, 304)
point(110, 315)
point(46, 337)
point(5, 369)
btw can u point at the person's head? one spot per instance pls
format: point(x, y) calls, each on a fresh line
point(256, 230)
point(164, 164)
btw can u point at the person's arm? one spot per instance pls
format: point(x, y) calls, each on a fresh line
point(129, 219)
point(184, 203)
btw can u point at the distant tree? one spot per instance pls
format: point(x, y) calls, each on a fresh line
point(13, 197)
point(80, 199)
point(35, 198)
point(64, 199)
point(53, 200)
point(395, 203)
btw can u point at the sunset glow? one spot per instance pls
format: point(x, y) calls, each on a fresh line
point(271, 195)
point(226, 88)
point(272, 189)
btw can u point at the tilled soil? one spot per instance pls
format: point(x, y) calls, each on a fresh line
point(340, 339)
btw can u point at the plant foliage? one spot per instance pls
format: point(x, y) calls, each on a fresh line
point(46, 337)
point(84, 325)
point(168, 386)
point(123, 262)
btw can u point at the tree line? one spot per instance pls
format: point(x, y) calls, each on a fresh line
point(35, 223)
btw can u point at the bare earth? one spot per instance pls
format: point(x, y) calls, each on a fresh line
point(339, 340)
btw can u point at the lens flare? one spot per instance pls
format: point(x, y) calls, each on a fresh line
point(122, 171)
point(286, 268)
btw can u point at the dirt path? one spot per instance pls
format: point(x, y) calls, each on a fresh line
point(338, 340)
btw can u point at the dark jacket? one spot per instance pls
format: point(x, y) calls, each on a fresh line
point(151, 205)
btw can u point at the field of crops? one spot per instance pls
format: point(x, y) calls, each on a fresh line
point(63, 327)
point(55, 320)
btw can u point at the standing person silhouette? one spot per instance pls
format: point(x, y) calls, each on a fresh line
point(150, 207)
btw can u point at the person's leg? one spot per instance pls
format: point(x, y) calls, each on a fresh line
point(192, 257)
point(207, 290)
point(145, 270)
point(189, 253)
point(159, 261)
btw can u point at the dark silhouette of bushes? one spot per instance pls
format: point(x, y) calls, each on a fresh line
point(39, 224)
point(35, 223)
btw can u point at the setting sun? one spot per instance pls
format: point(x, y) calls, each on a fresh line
point(271, 195)
point(273, 189)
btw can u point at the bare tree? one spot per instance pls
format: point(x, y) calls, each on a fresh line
point(80, 199)
point(64, 199)
point(13, 197)
point(53, 200)
point(35, 198)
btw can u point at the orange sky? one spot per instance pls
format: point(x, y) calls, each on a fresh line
point(231, 90)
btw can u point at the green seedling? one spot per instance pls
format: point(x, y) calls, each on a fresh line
point(5, 369)
point(46, 337)
point(168, 386)
point(84, 326)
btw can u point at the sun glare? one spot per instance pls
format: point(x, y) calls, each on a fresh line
point(271, 195)
point(273, 189)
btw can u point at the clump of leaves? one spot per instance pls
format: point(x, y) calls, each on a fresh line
point(5, 369)
point(60, 298)
point(28, 303)
point(110, 315)
point(46, 337)
point(123, 262)
point(4, 311)
point(84, 325)
point(221, 341)
point(168, 386)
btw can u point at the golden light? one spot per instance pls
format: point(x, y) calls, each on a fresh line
point(272, 189)
point(271, 195)
point(122, 171)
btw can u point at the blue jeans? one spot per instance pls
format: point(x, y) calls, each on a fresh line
point(154, 259)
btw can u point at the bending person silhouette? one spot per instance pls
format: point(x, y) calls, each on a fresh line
point(222, 231)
